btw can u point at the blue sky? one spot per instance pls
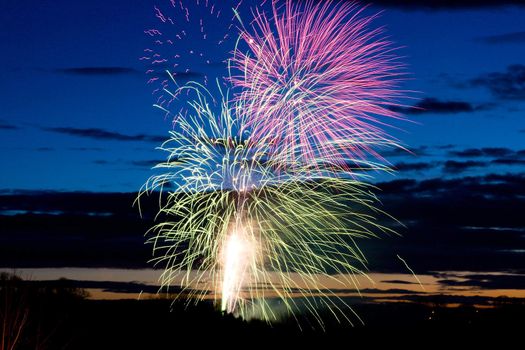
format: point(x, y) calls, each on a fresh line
point(56, 57)
point(76, 115)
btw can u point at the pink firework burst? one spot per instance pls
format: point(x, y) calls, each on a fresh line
point(318, 77)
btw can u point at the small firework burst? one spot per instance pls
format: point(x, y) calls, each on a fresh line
point(191, 39)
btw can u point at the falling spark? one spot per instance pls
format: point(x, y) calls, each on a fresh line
point(411, 271)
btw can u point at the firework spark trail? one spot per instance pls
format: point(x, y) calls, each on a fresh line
point(317, 78)
point(186, 41)
point(248, 228)
point(411, 271)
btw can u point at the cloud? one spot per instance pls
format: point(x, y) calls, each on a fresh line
point(508, 38)
point(483, 152)
point(402, 152)
point(147, 163)
point(447, 4)
point(486, 281)
point(419, 166)
point(86, 149)
point(435, 106)
point(387, 291)
point(457, 167)
point(101, 134)
point(398, 282)
point(101, 162)
point(454, 167)
point(437, 213)
point(466, 223)
point(109, 286)
point(44, 149)
point(508, 85)
point(508, 161)
point(87, 229)
point(494, 185)
point(500, 155)
point(94, 71)
point(7, 126)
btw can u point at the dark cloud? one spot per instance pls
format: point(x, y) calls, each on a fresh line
point(454, 167)
point(419, 166)
point(435, 106)
point(398, 282)
point(505, 85)
point(7, 126)
point(81, 229)
point(393, 186)
point(101, 162)
point(465, 223)
point(500, 155)
point(341, 291)
point(387, 291)
point(86, 149)
point(44, 149)
point(404, 152)
point(109, 286)
point(483, 152)
point(447, 4)
point(486, 281)
point(147, 163)
point(101, 134)
point(87, 71)
point(508, 38)
point(457, 167)
point(508, 161)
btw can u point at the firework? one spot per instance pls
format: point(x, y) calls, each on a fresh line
point(238, 227)
point(191, 40)
point(320, 81)
point(263, 195)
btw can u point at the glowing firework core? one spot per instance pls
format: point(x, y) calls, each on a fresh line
point(238, 256)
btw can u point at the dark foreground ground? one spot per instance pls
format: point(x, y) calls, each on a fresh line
point(61, 318)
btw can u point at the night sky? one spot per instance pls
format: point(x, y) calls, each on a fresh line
point(78, 134)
